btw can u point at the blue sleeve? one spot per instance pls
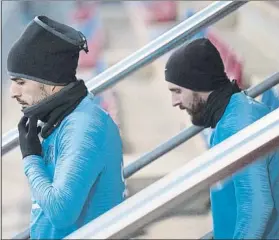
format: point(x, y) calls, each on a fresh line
point(252, 190)
point(254, 201)
point(78, 165)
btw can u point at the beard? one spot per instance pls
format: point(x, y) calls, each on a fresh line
point(197, 111)
point(23, 104)
point(41, 95)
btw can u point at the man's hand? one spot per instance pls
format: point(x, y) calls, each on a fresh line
point(28, 137)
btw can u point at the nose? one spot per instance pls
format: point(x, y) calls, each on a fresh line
point(15, 90)
point(175, 101)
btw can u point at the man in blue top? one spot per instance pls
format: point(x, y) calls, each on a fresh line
point(76, 173)
point(246, 204)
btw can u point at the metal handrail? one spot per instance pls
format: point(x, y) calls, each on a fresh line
point(208, 235)
point(216, 164)
point(23, 235)
point(150, 52)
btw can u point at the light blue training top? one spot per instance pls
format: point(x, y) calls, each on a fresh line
point(80, 175)
point(246, 205)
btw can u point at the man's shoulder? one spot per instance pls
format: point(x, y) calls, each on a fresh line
point(243, 108)
point(243, 100)
point(87, 114)
point(241, 111)
point(88, 110)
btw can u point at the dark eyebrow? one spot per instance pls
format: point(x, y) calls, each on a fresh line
point(174, 89)
point(16, 79)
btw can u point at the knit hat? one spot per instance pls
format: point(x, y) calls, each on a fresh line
point(196, 66)
point(46, 52)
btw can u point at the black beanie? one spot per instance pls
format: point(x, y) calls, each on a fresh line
point(196, 66)
point(46, 52)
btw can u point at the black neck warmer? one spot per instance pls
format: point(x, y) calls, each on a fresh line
point(217, 103)
point(55, 108)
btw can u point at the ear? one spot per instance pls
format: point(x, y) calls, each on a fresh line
point(55, 89)
point(205, 95)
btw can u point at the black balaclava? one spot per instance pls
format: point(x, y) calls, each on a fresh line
point(46, 52)
point(198, 66)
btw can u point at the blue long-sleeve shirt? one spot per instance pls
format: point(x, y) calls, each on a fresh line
point(80, 175)
point(246, 205)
